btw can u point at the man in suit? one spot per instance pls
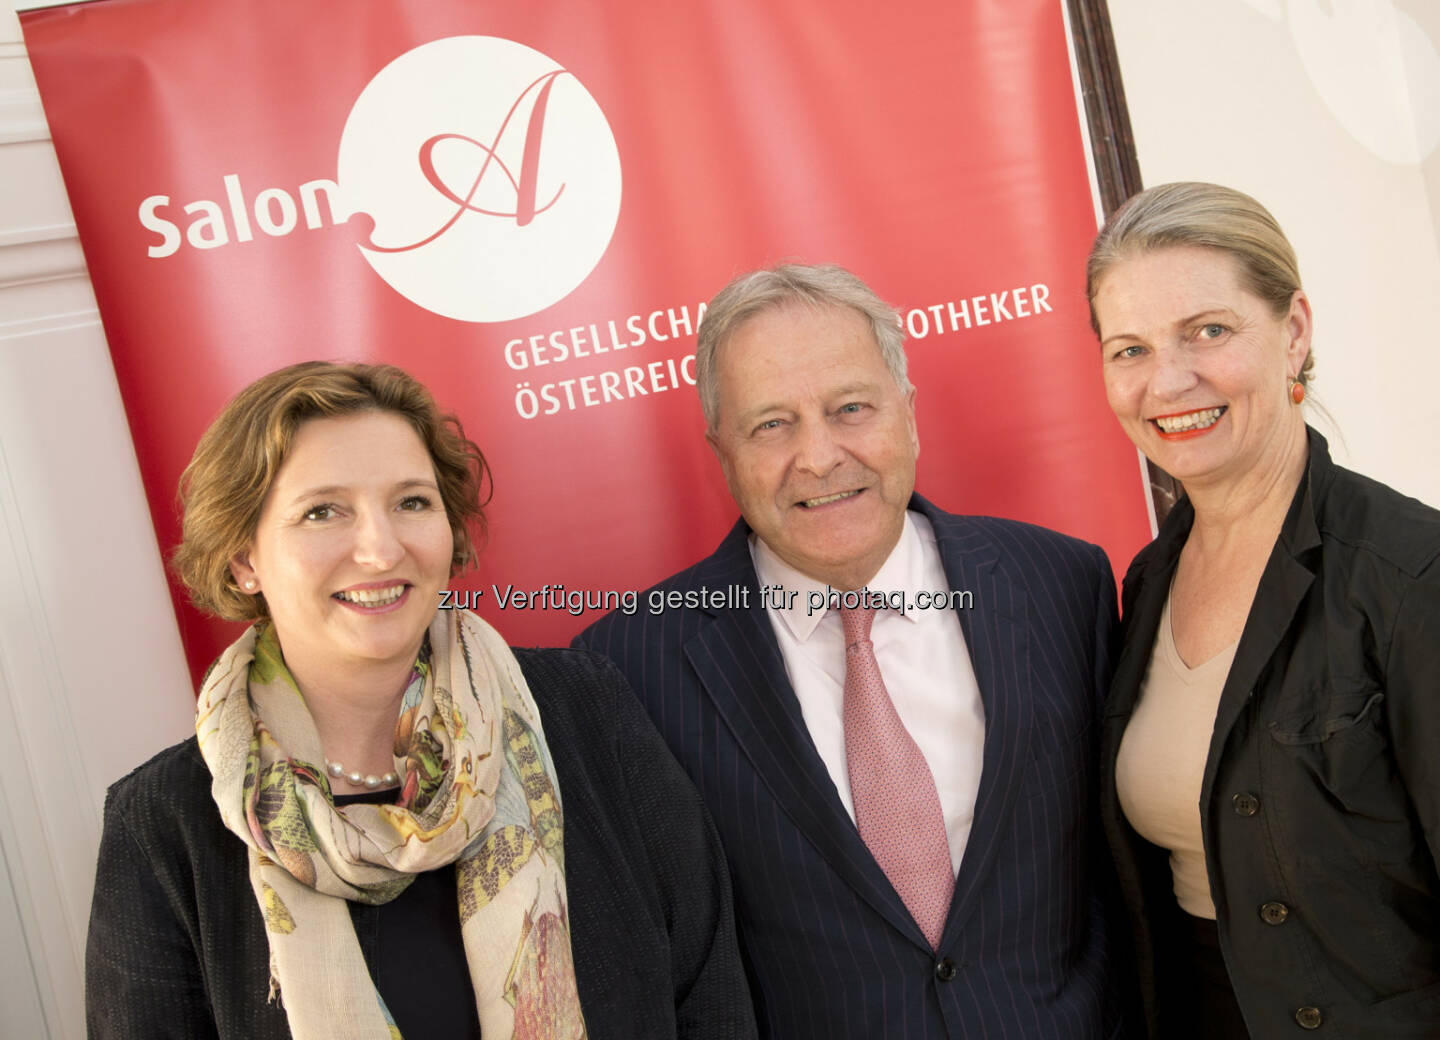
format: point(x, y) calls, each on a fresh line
point(889, 710)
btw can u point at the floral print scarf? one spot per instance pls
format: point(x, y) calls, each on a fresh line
point(477, 789)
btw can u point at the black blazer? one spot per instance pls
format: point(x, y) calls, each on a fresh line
point(831, 949)
point(177, 945)
point(1320, 804)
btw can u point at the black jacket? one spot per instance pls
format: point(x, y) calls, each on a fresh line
point(1320, 805)
point(1029, 949)
point(177, 946)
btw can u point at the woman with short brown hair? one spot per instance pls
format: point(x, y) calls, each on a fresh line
point(389, 823)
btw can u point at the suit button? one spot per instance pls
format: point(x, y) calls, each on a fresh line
point(1309, 1017)
point(1246, 804)
point(1274, 913)
point(945, 969)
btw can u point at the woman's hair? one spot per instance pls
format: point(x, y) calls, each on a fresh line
point(825, 285)
point(224, 488)
point(1193, 213)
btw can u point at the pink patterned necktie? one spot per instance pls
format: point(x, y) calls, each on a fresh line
point(897, 809)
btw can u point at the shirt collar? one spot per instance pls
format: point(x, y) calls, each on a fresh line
point(902, 571)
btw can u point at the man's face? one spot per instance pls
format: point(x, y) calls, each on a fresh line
point(817, 442)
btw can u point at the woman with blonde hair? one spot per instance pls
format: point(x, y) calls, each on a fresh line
point(1271, 750)
point(389, 823)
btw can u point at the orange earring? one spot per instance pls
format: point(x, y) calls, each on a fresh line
point(1297, 391)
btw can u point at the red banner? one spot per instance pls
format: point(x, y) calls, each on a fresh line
point(526, 205)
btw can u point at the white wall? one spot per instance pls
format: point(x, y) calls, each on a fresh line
point(1328, 112)
point(92, 680)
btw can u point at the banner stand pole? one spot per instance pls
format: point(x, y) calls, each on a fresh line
point(1112, 144)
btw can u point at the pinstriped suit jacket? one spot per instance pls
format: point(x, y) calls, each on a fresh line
point(831, 950)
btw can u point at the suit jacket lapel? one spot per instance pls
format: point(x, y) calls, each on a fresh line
point(1141, 615)
point(997, 636)
point(1282, 587)
point(738, 662)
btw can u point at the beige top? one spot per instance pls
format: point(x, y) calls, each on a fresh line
point(1162, 760)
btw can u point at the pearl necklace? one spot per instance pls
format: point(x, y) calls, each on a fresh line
point(369, 781)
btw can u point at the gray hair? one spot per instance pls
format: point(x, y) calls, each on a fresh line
point(1193, 213)
point(822, 285)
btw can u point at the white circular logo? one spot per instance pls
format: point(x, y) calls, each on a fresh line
point(489, 172)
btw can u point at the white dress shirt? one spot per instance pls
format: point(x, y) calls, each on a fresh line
point(923, 660)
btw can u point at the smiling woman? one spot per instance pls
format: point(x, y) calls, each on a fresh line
point(350, 553)
point(1271, 788)
point(387, 818)
point(1197, 367)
